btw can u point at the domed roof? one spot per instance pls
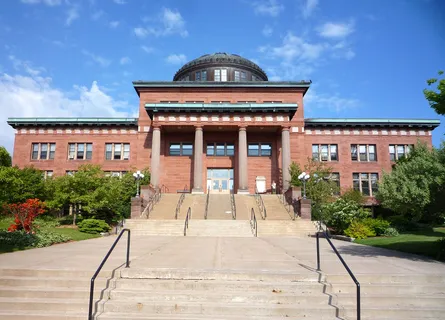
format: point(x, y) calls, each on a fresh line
point(222, 59)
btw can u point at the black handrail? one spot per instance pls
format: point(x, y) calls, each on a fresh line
point(187, 218)
point(287, 204)
point(207, 203)
point(127, 265)
point(260, 203)
point(178, 205)
point(357, 284)
point(253, 222)
point(233, 204)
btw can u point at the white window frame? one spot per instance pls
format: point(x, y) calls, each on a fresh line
point(370, 178)
point(50, 150)
point(319, 153)
point(407, 148)
point(367, 153)
point(124, 151)
point(73, 149)
point(48, 174)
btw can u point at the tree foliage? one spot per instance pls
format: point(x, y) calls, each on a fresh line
point(341, 213)
point(436, 98)
point(416, 186)
point(24, 214)
point(5, 158)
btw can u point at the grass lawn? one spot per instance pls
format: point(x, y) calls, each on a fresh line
point(421, 242)
point(73, 233)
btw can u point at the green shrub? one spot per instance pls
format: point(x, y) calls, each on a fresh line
point(93, 226)
point(353, 195)
point(359, 230)
point(341, 213)
point(391, 232)
point(44, 222)
point(47, 238)
point(379, 226)
point(402, 223)
point(21, 239)
point(68, 220)
point(440, 249)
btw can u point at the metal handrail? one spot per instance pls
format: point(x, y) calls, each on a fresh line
point(127, 265)
point(357, 284)
point(232, 203)
point(253, 222)
point(260, 204)
point(187, 218)
point(287, 205)
point(178, 205)
point(164, 189)
point(207, 203)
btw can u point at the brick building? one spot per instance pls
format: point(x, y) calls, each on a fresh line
point(218, 126)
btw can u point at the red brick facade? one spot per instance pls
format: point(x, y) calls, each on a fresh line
point(176, 172)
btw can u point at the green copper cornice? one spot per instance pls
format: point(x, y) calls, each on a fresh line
point(370, 122)
point(221, 84)
point(20, 122)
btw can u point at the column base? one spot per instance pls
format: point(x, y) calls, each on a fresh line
point(242, 191)
point(197, 191)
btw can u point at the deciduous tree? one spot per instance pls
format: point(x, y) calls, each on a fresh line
point(436, 98)
point(5, 158)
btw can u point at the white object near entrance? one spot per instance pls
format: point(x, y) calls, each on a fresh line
point(260, 184)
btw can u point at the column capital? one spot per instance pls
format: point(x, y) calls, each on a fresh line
point(242, 128)
point(156, 126)
point(198, 127)
point(285, 128)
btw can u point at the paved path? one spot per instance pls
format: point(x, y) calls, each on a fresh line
point(294, 255)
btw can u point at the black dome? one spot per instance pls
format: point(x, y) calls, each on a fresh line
point(221, 59)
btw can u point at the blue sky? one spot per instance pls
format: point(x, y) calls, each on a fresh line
point(78, 58)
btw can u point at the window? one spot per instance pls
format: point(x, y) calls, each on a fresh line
point(80, 151)
point(220, 149)
point(243, 76)
point(259, 149)
point(324, 152)
point(47, 174)
point(363, 152)
point(237, 76)
point(118, 174)
point(117, 151)
point(204, 75)
point(220, 75)
point(397, 152)
point(335, 177)
point(366, 183)
point(181, 149)
point(198, 76)
point(70, 172)
point(43, 151)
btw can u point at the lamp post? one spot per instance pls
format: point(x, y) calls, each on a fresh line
point(304, 177)
point(138, 176)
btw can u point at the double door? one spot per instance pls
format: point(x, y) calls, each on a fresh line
point(220, 181)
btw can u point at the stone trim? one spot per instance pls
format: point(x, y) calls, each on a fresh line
point(378, 132)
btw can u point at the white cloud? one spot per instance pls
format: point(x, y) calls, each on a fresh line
point(72, 14)
point(125, 60)
point(103, 62)
point(120, 1)
point(168, 22)
point(25, 66)
point(332, 102)
point(114, 24)
point(268, 7)
point(47, 2)
point(267, 31)
point(336, 30)
point(309, 7)
point(176, 59)
point(25, 95)
point(147, 49)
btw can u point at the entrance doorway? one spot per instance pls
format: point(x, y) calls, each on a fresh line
point(220, 181)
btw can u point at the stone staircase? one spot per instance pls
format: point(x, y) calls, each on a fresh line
point(219, 228)
point(149, 227)
point(387, 296)
point(219, 207)
point(166, 207)
point(244, 204)
point(275, 209)
point(196, 202)
point(286, 228)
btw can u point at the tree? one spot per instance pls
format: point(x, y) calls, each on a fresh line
point(295, 171)
point(5, 158)
point(416, 185)
point(436, 98)
point(18, 185)
point(320, 188)
point(24, 214)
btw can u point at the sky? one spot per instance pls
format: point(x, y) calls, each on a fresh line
point(74, 58)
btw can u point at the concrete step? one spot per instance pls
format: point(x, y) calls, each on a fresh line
point(51, 282)
point(392, 300)
point(290, 228)
point(219, 228)
point(244, 204)
point(49, 293)
point(275, 209)
point(218, 309)
point(165, 208)
point(393, 289)
point(380, 278)
point(43, 304)
point(170, 227)
point(53, 273)
point(379, 313)
point(117, 316)
point(36, 315)
point(220, 207)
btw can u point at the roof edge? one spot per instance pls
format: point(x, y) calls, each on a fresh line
point(200, 84)
point(369, 122)
point(39, 121)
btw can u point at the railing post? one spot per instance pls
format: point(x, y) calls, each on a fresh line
point(90, 311)
point(128, 250)
point(318, 251)
point(358, 301)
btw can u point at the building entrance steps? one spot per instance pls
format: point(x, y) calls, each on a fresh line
point(244, 204)
point(286, 228)
point(275, 208)
point(219, 207)
point(165, 208)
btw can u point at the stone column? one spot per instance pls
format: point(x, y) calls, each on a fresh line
point(242, 162)
point(155, 157)
point(285, 157)
point(197, 161)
